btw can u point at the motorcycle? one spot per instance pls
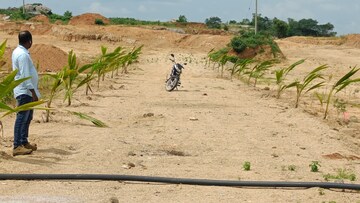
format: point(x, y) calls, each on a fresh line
point(173, 81)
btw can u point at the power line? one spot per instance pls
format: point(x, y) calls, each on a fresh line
point(249, 10)
point(256, 16)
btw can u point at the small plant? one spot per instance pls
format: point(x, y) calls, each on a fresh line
point(259, 70)
point(320, 97)
point(342, 174)
point(321, 191)
point(308, 79)
point(240, 66)
point(341, 84)
point(314, 166)
point(340, 105)
point(292, 168)
point(220, 58)
point(246, 166)
point(281, 75)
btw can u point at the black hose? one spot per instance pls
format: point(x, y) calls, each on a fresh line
point(229, 183)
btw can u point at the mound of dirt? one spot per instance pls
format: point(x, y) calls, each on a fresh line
point(48, 57)
point(40, 18)
point(352, 40)
point(316, 40)
point(259, 53)
point(87, 19)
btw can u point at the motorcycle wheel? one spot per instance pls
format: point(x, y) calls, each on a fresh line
point(171, 83)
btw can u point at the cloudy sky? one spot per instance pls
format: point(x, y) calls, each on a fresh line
point(343, 14)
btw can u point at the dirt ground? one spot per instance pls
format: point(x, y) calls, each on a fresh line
point(206, 130)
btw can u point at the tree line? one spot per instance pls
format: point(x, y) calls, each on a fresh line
point(279, 28)
point(275, 27)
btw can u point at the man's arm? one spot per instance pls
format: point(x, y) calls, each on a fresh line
point(34, 96)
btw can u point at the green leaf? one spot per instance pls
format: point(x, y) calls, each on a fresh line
point(347, 76)
point(346, 83)
point(85, 81)
point(2, 49)
point(29, 106)
point(95, 121)
point(85, 67)
point(322, 67)
point(8, 84)
point(293, 84)
point(25, 107)
point(279, 75)
point(292, 66)
point(5, 107)
point(103, 50)
point(316, 86)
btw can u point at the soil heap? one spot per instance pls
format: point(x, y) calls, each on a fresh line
point(87, 19)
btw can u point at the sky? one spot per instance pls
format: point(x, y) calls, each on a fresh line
point(343, 14)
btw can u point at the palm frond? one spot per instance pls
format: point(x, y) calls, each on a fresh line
point(346, 83)
point(347, 76)
point(2, 48)
point(5, 107)
point(8, 83)
point(95, 121)
point(28, 106)
point(320, 84)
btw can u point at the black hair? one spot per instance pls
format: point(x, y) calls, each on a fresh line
point(24, 37)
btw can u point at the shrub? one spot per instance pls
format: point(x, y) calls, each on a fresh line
point(238, 44)
point(99, 22)
point(250, 39)
point(247, 166)
point(64, 18)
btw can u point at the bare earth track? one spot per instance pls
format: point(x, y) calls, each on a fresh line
point(206, 130)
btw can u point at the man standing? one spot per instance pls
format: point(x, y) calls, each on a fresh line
point(24, 93)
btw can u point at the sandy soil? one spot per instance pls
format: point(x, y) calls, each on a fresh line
point(205, 130)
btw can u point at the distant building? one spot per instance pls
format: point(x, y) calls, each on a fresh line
point(37, 8)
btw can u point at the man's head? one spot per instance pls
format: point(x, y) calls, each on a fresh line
point(25, 39)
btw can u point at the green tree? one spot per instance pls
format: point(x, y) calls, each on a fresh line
point(213, 22)
point(309, 27)
point(264, 23)
point(67, 15)
point(326, 30)
point(280, 28)
point(182, 19)
point(245, 22)
point(232, 22)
